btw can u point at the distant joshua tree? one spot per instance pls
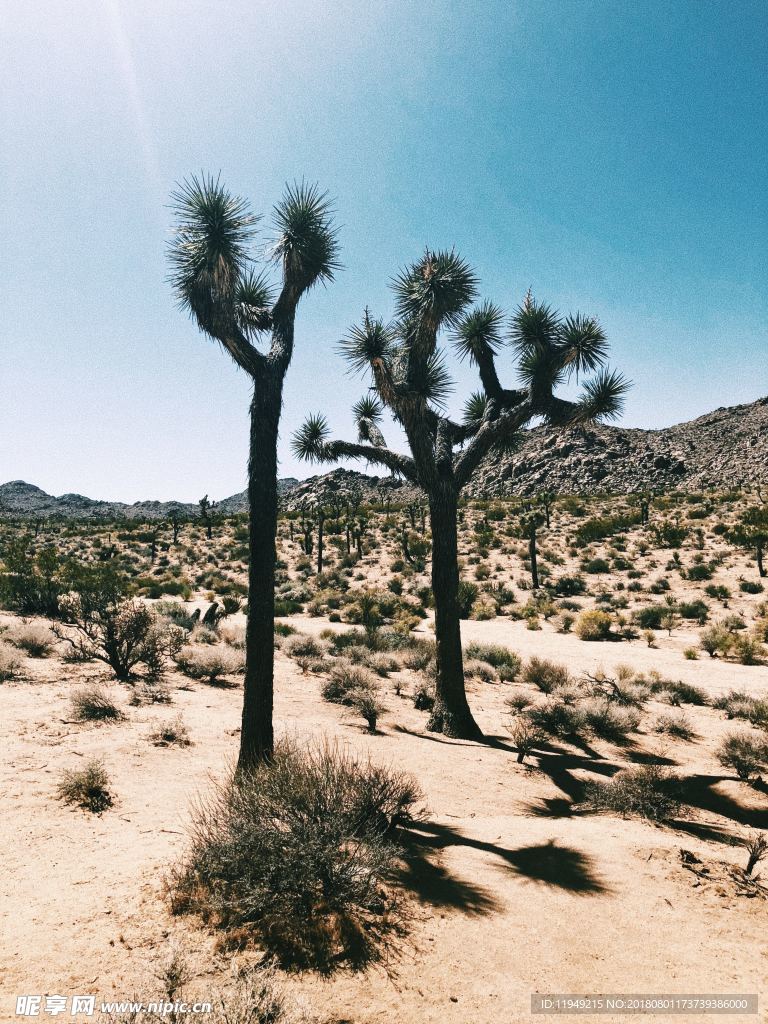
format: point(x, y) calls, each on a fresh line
point(215, 279)
point(751, 532)
point(411, 380)
point(207, 508)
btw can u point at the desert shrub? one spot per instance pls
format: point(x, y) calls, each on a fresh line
point(94, 704)
point(526, 738)
point(301, 645)
point(747, 651)
point(677, 692)
point(177, 613)
point(651, 791)
point(557, 718)
point(678, 726)
point(298, 852)
point(699, 573)
point(744, 753)
point(596, 566)
point(545, 674)
point(233, 636)
point(593, 625)
point(608, 721)
point(208, 635)
point(424, 695)
point(751, 587)
point(693, 610)
point(347, 680)
point(122, 634)
point(368, 706)
point(517, 703)
point(476, 669)
point(150, 693)
point(34, 638)
point(484, 608)
point(382, 663)
point(419, 654)
point(171, 734)
point(715, 640)
point(468, 593)
point(212, 665)
point(31, 581)
point(651, 616)
point(691, 654)
point(505, 661)
point(569, 586)
point(284, 629)
point(10, 662)
point(87, 787)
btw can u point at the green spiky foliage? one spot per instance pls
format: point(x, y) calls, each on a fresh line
point(409, 375)
point(251, 312)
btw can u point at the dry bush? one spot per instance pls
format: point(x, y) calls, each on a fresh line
point(233, 636)
point(35, 638)
point(526, 738)
point(94, 704)
point(594, 625)
point(346, 680)
point(679, 726)
point(545, 674)
point(10, 662)
point(743, 752)
point(297, 854)
point(608, 721)
point(212, 665)
point(650, 791)
point(368, 705)
point(506, 662)
point(88, 787)
point(171, 734)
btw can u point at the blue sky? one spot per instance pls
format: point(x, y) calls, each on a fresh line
point(611, 155)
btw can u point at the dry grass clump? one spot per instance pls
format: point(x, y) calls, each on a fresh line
point(34, 638)
point(347, 681)
point(678, 726)
point(604, 719)
point(745, 753)
point(171, 734)
point(87, 787)
point(10, 662)
point(296, 855)
point(94, 704)
point(505, 661)
point(526, 738)
point(212, 665)
point(545, 674)
point(650, 791)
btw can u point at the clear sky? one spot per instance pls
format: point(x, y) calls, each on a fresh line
point(610, 154)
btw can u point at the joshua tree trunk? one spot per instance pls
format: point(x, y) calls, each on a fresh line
point(450, 715)
point(534, 563)
point(257, 736)
point(320, 532)
point(760, 566)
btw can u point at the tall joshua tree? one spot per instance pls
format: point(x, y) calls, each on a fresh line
point(217, 282)
point(410, 379)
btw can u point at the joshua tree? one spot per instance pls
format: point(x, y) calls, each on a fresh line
point(206, 509)
point(530, 523)
point(216, 281)
point(175, 521)
point(411, 380)
point(752, 532)
point(546, 500)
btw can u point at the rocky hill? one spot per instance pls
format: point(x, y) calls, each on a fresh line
point(724, 448)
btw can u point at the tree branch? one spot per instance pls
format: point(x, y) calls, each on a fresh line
point(491, 432)
point(332, 450)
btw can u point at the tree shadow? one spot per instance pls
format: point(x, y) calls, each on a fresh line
point(697, 791)
point(560, 866)
point(435, 737)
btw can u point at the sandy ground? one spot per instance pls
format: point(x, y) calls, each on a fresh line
point(512, 893)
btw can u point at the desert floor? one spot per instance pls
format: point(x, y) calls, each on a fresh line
point(512, 892)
